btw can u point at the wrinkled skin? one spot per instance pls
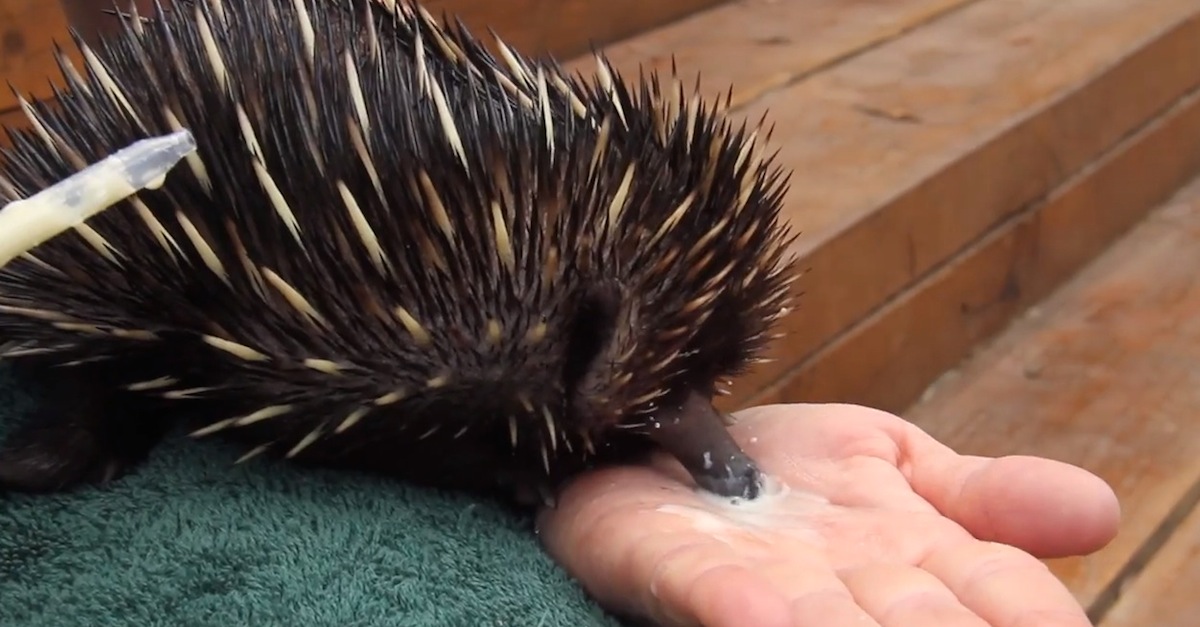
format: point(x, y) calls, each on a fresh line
point(880, 525)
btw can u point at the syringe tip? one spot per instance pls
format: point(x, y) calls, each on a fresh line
point(148, 161)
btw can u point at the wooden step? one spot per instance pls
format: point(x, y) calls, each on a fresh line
point(932, 142)
point(1105, 374)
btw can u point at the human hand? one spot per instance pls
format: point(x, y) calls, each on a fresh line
point(876, 524)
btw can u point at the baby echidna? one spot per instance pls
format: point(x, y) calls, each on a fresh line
point(393, 251)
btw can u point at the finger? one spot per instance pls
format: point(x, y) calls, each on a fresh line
point(791, 591)
point(818, 598)
point(604, 534)
point(1004, 585)
point(579, 533)
point(1045, 507)
point(731, 596)
point(692, 584)
point(903, 596)
point(829, 607)
point(697, 583)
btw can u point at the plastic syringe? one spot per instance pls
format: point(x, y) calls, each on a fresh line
point(28, 222)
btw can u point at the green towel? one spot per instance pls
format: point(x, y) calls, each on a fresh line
point(188, 539)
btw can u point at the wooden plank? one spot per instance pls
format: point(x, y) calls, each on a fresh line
point(28, 30)
point(573, 27)
point(892, 356)
point(751, 44)
point(1164, 595)
point(563, 28)
point(1106, 375)
point(755, 46)
point(907, 153)
point(559, 27)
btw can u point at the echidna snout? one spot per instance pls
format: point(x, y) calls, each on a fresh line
point(694, 433)
point(392, 251)
point(683, 422)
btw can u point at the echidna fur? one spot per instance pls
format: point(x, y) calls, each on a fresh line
point(393, 252)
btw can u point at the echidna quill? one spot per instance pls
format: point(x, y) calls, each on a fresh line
point(392, 252)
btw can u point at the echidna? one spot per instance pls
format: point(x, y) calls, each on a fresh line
point(394, 251)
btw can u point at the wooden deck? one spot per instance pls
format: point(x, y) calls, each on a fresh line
point(956, 162)
point(1105, 374)
point(943, 150)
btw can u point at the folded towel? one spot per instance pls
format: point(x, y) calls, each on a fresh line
point(188, 539)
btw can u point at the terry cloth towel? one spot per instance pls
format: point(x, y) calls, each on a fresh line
point(188, 540)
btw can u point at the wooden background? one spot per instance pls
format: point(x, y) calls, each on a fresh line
point(562, 28)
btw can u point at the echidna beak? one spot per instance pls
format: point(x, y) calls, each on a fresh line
point(694, 432)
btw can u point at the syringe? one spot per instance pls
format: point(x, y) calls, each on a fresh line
point(28, 222)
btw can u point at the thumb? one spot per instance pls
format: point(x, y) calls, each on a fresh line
point(1044, 507)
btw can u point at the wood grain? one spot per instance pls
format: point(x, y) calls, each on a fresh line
point(1106, 376)
point(565, 28)
point(893, 355)
point(755, 46)
point(910, 152)
point(28, 31)
point(574, 27)
point(562, 28)
point(1164, 595)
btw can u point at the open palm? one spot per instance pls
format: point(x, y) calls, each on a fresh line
point(874, 523)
